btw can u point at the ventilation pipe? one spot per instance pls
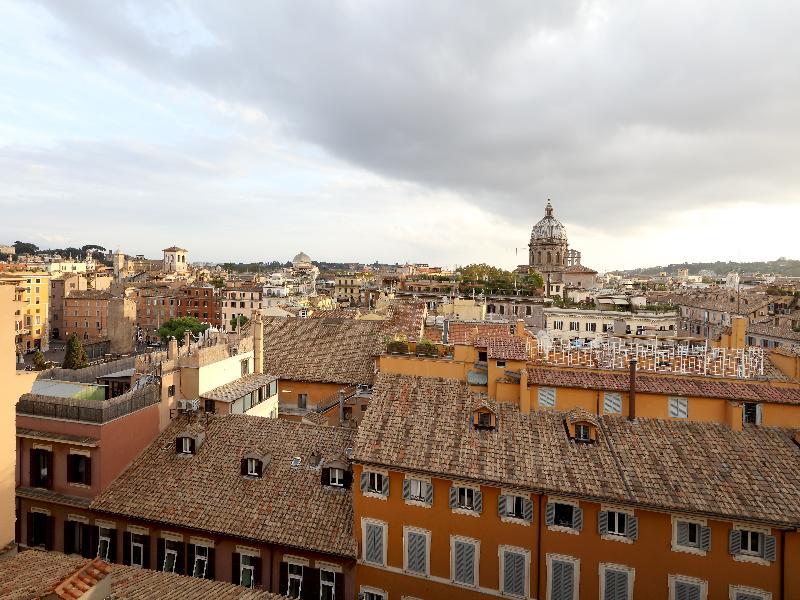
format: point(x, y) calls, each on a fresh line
point(632, 392)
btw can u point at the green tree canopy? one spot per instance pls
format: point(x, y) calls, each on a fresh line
point(178, 326)
point(76, 357)
point(240, 321)
point(25, 247)
point(218, 281)
point(39, 363)
point(489, 279)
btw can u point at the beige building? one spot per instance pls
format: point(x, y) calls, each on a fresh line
point(13, 385)
point(348, 288)
point(587, 325)
point(34, 331)
point(240, 302)
point(175, 260)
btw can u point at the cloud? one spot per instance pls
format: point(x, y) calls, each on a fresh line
point(606, 107)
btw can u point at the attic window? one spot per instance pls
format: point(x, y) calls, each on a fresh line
point(185, 445)
point(583, 432)
point(252, 467)
point(484, 418)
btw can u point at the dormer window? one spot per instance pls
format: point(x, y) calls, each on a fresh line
point(185, 445)
point(484, 417)
point(253, 467)
point(336, 474)
point(581, 426)
point(583, 432)
point(336, 477)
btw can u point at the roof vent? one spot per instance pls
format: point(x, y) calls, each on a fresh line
point(315, 459)
point(296, 461)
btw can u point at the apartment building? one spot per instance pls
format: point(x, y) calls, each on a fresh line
point(461, 495)
point(348, 287)
point(34, 333)
point(155, 304)
point(241, 301)
point(85, 314)
point(710, 313)
point(60, 287)
point(202, 301)
point(260, 503)
point(583, 326)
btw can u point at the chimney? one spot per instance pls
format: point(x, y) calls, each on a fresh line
point(187, 339)
point(258, 343)
point(524, 392)
point(172, 347)
point(519, 330)
point(445, 331)
point(632, 392)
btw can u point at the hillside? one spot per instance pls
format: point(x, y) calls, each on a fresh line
point(781, 266)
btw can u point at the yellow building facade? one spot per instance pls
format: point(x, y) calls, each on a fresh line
point(33, 331)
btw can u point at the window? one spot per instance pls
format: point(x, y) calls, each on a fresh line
point(374, 543)
point(372, 594)
point(738, 592)
point(750, 542)
point(171, 391)
point(583, 432)
point(245, 367)
point(564, 515)
point(170, 556)
point(41, 464)
point(464, 556)
point(513, 571)
point(327, 584)
point(79, 469)
point(418, 490)
point(513, 506)
point(200, 565)
point(484, 420)
point(374, 483)
point(751, 413)
point(612, 402)
point(562, 577)
point(687, 588)
point(247, 570)
point(690, 536)
point(558, 325)
point(39, 529)
point(547, 397)
point(616, 582)
point(137, 550)
point(336, 477)
point(466, 498)
point(302, 401)
point(186, 445)
point(591, 327)
point(416, 546)
point(501, 364)
point(104, 547)
point(295, 580)
point(574, 326)
point(679, 408)
point(253, 467)
point(618, 524)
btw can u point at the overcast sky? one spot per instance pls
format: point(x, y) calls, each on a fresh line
point(402, 131)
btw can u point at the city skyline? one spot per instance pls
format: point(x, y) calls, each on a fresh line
point(434, 135)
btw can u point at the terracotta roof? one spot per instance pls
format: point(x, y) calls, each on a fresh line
point(322, 350)
point(288, 506)
point(334, 313)
point(83, 580)
point(52, 496)
point(463, 332)
point(234, 390)
point(174, 249)
point(406, 319)
point(581, 415)
point(424, 425)
point(772, 331)
point(579, 269)
point(34, 575)
point(507, 347)
point(89, 294)
point(721, 301)
point(704, 387)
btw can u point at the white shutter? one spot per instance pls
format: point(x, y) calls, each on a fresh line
point(612, 402)
point(547, 397)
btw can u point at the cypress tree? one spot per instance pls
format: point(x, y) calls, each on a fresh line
point(76, 357)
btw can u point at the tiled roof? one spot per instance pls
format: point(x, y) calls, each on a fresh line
point(89, 294)
point(322, 350)
point(698, 386)
point(507, 347)
point(406, 319)
point(772, 331)
point(234, 390)
point(288, 506)
point(579, 269)
point(334, 313)
point(463, 332)
point(174, 249)
point(425, 425)
point(581, 415)
point(34, 575)
point(52, 496)
point(722, 301)
point(84, 579)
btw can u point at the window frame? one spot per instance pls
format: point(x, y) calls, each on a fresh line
point(372, 593)
point(673, 580)
point(200, 558)
point(734, 590)
point(338, 480)
point(247, 567)
point(698, 522)
point(603, 567)
point(677, 401)
point(545, 390)
point(372, 478)
point(563, 528)
point(612, 397)
point(365, 522)
point(134, 546)
point(186, 445)
point(576, 573)
point(476, 560)
point(407, 530)
point(526, 571)
point(173, 552)
point(295, 577)
point(749, 557)
point(253, 469)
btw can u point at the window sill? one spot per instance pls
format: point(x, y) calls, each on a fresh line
point(420, 503)
point(563, 529)
point(688, 550)
point(469, 586)
point(79, 485)
point(465, 511)
point(515, 521)
point(747, 558)
point(616, 538)
point(375, 495)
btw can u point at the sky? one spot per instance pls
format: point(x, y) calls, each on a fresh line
point(402, 131)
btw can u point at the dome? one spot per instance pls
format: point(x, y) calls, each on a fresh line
point(301, 258)
point(549, 228)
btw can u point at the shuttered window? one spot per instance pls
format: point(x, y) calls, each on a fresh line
point(513, 573)
point(562, 580)
point(464, 562)
point(466, 498)
point(418, 490)
point(515, 507)
point(679, 408)
point(692, 535)
point(374, 483)
point(685, 590)
point(373, 543)
point(417, 552)
point(612, 402)
point(744, 542)
point(615, 584)
point(547, 397)
point(560, 514)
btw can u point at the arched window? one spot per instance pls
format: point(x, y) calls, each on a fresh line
point(549, 258)
point(539, 258)
point(558, 258)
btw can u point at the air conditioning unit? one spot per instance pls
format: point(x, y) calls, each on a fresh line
point(188, 405)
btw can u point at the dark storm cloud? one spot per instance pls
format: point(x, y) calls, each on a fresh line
point(644, 107)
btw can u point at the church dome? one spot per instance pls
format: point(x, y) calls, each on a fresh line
point(549, 229)
point(301, 258)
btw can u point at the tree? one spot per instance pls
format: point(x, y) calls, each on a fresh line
point(533, 280)
point(240, 322)
point(218, 281)
point(39, 362)
point(76, 357)
point(177, 327)
point(25, 247)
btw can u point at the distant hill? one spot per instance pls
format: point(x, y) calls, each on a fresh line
point(782, 266)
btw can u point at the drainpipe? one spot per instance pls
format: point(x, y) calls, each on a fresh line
point(632, 392)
